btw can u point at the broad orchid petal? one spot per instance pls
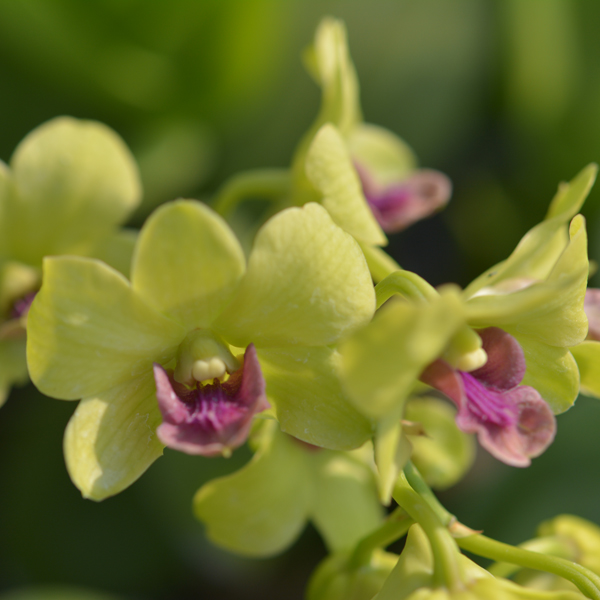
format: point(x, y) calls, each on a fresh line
point(329, 168)
point(187, 263)
point(307, 283)
point(13, 366)
point(381, 362)
point(74, 182)
point(88, 330)
point(587, 355)
point(116, 250)
point(303, 385)
point(262, 508)
point(213, 418)
point(551, 371)
point(346, 506)
point(551, 310)
point(110, 440)
point(381, 152)
point(536, 254)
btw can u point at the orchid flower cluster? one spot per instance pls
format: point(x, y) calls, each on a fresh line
point(357, 385)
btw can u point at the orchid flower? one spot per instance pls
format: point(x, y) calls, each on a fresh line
point(285, 484)
point(195, 316)
point(69, 187)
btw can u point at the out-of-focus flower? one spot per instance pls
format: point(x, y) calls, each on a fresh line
point(69, 187)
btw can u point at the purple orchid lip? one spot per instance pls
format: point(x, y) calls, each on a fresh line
point(212, 418)
point(400, 205)
point(591, 305)
point(512, 422)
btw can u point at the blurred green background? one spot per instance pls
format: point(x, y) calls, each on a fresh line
point(503, 96)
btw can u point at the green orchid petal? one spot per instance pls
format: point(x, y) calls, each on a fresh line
point(110, 440)
point(444, 453)
point(328, 61)
point(307, 283)
point(551, 371)
point(329, 168)
point(187, 263)
point(382, 153)
point(116, 250)
point(75, 181)
point(346, 507)
point(551, 310)
point(392, 452)
point(587, 355)
point(13, 366)
point(89, 331)
point(381, 362)
point(303, 385)
point(536, 254)
point(262, 508)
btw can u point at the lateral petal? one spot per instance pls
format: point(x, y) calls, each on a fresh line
point(307, 283)
point(88, 330)
point(111, 438)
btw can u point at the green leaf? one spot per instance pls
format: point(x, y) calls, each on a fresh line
point(262, 508)
point(329, 168)
point(307, 283)
point(587, 355)
point(110, 440)
point(303, 385)
point(187, 263)
point(88, 331)
point(74, 182)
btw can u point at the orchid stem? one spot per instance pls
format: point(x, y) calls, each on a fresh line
point(587, 581)
point(420, 486)
point(380, 263)
point(447, 572)
point(394, 527)
point(272, 184)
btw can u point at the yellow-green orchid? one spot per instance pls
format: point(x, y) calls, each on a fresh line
point(364, 174)
point(526, 313)
point(282, 487)
point(69, 186)
point(193, 306)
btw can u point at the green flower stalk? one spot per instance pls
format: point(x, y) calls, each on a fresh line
point(69, 186)
point(413, 578)
point(261, 509)
point(192, 307)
